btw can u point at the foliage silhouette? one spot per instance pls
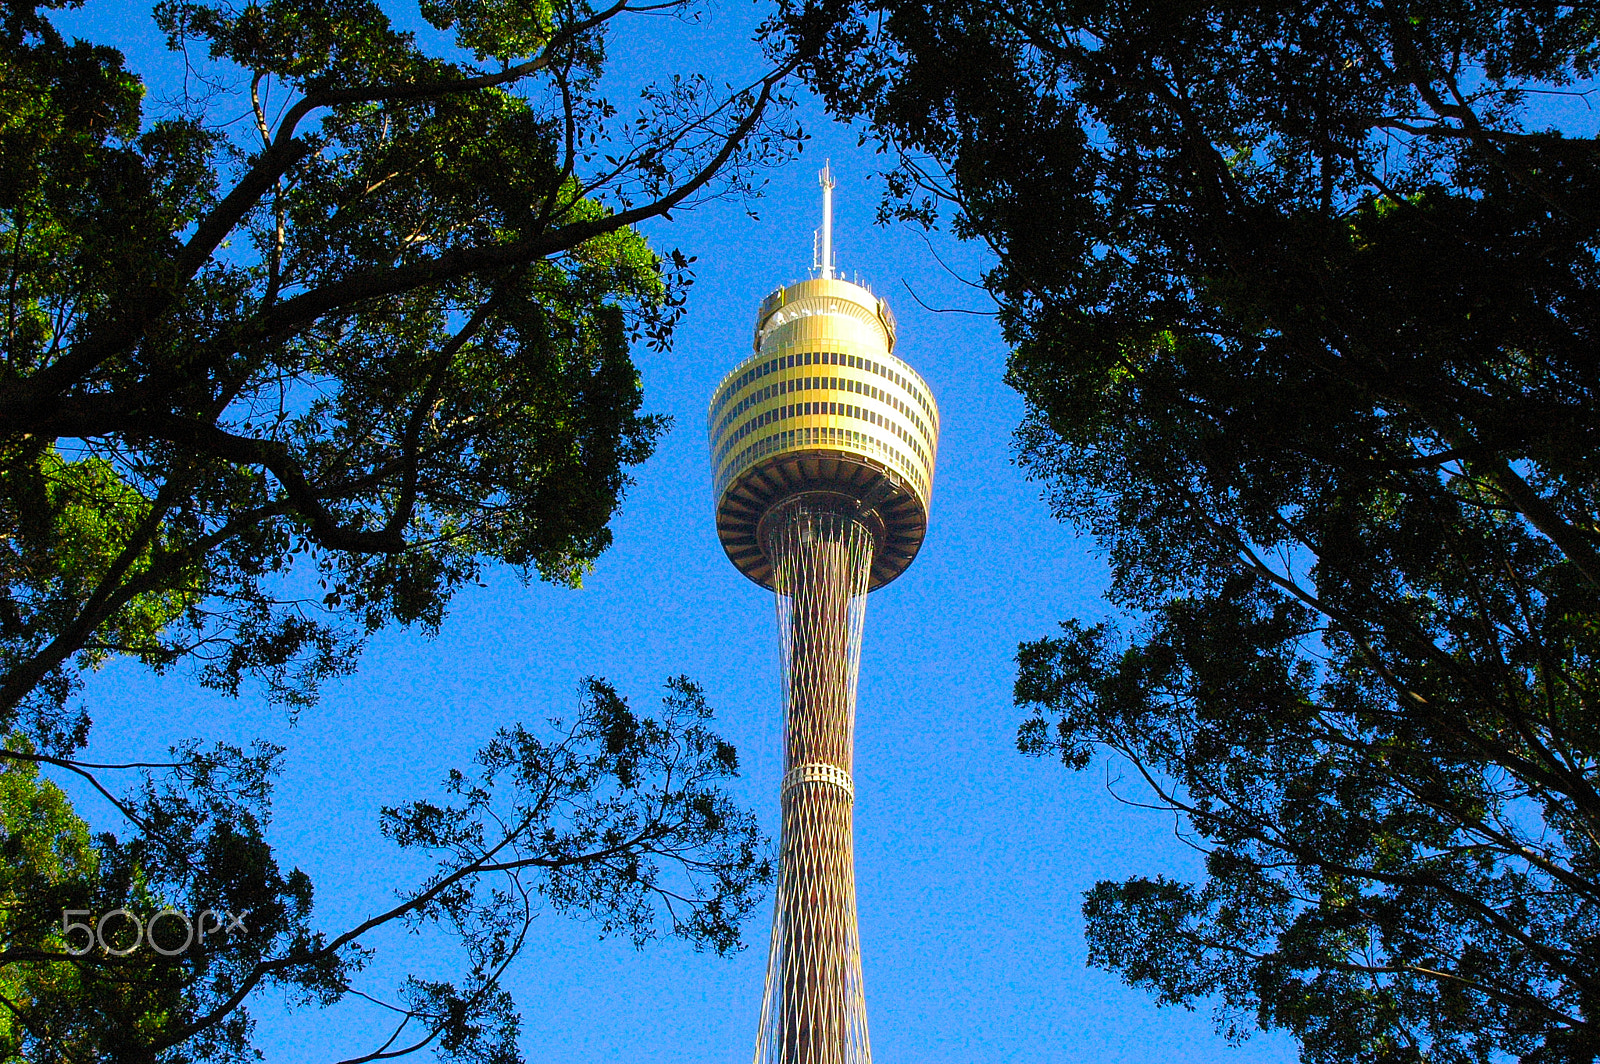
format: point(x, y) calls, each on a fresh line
point(1304, 312)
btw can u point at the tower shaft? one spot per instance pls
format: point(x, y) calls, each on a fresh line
point(814, 1010)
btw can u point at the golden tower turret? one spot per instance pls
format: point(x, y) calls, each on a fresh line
point(822, 453)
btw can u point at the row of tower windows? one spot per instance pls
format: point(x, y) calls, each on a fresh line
point(821, 436)
point(779, 413)
point(822, 358)
point(832, 384)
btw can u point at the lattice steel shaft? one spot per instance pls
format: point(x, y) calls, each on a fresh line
point(814, 1011)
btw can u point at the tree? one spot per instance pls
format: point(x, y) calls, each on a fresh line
point(151, 947)
point(415, 360)
point(1304, 308)
point(373, 337)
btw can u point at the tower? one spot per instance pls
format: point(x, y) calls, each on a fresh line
point(822, 453)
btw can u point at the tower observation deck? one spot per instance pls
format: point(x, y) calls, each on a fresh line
point(822, 454)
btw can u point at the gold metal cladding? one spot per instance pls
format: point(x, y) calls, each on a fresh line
point(817, 772)
point(824, 404)
point(824, 295)
point(814, 1008)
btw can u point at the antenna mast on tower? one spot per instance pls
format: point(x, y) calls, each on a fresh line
point(825, 179)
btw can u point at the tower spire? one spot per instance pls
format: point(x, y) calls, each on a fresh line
point(825, 179)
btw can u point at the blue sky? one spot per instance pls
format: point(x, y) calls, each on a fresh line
point(971, 859)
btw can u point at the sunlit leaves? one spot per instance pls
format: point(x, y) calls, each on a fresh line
point(294, 357)
point(502, 29)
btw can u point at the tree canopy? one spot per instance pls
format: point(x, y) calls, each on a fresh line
point(1303, 302)
point(274, 383)
point(383, 330)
